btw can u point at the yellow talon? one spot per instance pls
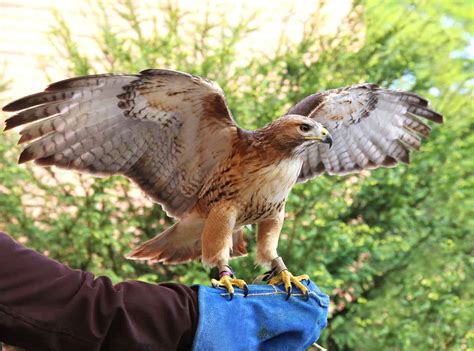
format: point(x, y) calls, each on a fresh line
point(287, 279)
point(228, 282)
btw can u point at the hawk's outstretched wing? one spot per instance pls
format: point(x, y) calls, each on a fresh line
point(371, 127)
point(166, 130)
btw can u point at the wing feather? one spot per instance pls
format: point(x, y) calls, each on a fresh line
point(166, 130)
point(371, 127)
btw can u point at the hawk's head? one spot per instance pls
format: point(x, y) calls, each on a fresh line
point(293, 133)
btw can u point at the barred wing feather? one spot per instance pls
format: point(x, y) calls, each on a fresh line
point(166, 130)
point(371, 127)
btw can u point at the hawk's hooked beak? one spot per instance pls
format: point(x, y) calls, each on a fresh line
point(326, 138)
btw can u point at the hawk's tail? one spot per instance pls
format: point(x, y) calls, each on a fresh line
point(178, 244)
point(181, 243)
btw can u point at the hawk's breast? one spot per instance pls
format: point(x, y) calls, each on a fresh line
point(267, 190)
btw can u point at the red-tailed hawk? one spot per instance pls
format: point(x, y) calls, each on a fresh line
point(173, 134)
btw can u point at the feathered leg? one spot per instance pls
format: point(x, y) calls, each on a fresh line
point(268, 233)
point(217, 245)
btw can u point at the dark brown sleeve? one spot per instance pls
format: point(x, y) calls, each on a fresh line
point(45, 305)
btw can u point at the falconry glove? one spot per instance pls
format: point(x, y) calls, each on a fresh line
point(263, 322)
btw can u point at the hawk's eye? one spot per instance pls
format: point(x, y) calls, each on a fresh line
point(305, 127)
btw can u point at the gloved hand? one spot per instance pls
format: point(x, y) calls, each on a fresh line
point(264, 320)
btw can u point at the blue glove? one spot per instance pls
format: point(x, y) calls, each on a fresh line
point(263, 320)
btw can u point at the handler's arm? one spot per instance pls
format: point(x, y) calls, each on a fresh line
point(45, 305)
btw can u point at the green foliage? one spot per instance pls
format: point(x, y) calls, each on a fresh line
point(393, 247)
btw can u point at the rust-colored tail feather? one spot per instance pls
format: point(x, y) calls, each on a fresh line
point(178, 244)
point(167, 248)
point(181, 243)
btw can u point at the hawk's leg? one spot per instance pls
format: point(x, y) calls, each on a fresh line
point(267, 241)
point(217, 243)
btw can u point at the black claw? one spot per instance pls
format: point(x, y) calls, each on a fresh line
point(231, 296)
point(246, 290)
point(306, 296)
point(288, 292)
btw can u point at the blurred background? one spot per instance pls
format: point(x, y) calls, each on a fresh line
point(393, 248)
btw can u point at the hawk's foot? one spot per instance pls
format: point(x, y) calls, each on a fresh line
point(288, 280)
point(228, 280)
point(280, 274)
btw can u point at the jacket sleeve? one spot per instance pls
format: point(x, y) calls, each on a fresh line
point(45, 305)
